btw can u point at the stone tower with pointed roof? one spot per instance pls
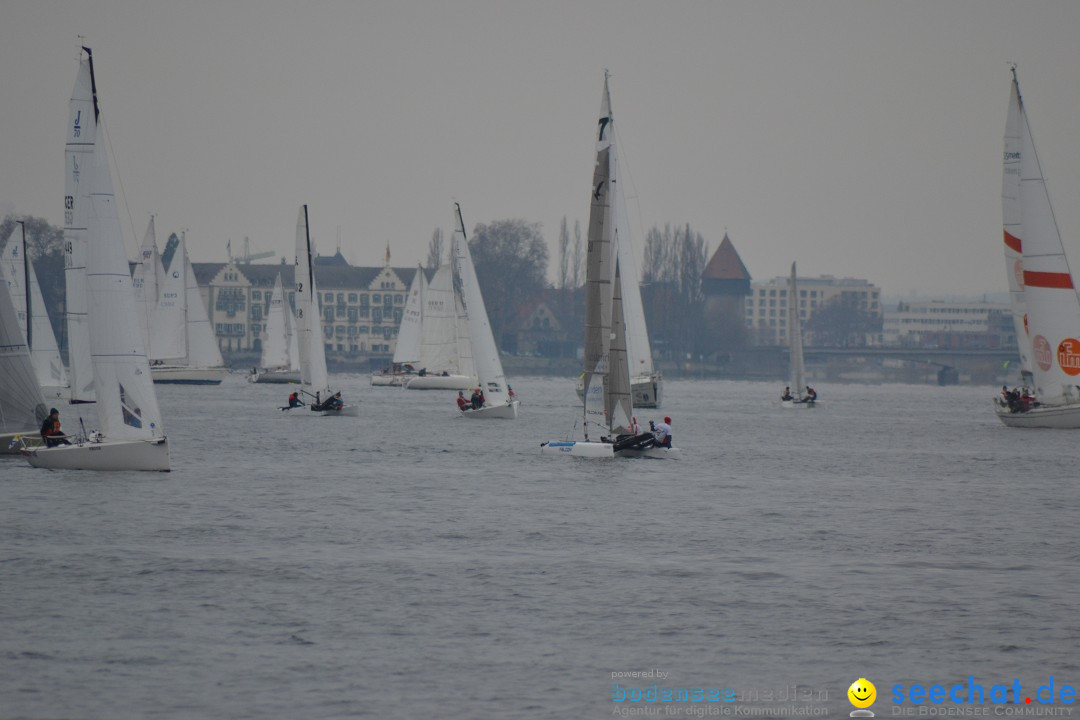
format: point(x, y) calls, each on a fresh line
point(726, 284)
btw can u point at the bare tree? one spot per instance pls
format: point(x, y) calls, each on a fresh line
point(435, 250)
point(674, 262)
point(511, 261)
point(564, 255)
point(578, 261)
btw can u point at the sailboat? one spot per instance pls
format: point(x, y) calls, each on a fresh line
point(445, 358)
point(22, 284)
point(280, 362)
point(646, 382)
point(407, 350)
point(129, 434)
point(313, 374)
point(22, 408)
point(1053, 307)
point(800, 397)
point(183, 349)
point(608, 424)
point(489, 370)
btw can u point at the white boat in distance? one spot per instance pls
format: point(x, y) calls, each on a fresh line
point(129, 434)
point(800, 398)
point(183, 349)
point(313, 375)
point(1049, 290)
point(608, 424)
point(280, 361)
point(485, 354)
point(445, 359)
point(407, 350)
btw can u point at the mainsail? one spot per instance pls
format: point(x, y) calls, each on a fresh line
point(22, 408)
point(1012, 220)
point(794, 333)
point(309, 327)
point(407, 350)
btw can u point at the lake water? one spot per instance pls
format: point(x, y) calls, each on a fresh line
point(412, 564)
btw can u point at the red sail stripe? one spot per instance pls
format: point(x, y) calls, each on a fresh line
point(1013, 242)
point(1061, 281)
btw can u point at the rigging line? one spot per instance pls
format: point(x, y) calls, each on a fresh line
point(119, 179)
point(636, 198)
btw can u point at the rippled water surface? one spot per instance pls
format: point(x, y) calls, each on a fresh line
point(409, 563)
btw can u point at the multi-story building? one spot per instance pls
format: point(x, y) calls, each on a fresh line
point(361, 307)
point(951, 325)
point(766, 306)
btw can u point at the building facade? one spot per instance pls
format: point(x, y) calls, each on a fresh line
point(766, 306)
point(360, 307)
point(950, 325)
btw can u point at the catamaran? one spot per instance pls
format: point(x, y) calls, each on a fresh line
point(313, 375)
point(608, 422)
point(485, 354)
point(33, 319)
point(280, 362)
point(183, 348)
point(1049, 292)
point(799, 395)
point(129, 434)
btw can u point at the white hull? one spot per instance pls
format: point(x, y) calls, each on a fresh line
point(105, 455)
point(180, 375)
point(388, 380)
point(279, 377)
point(646, 392)
point(601, 450)
point(441, 382)
point(796, 404)
point(508, 411)
point(1062, 418)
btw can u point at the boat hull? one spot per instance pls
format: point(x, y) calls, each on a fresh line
point(306, 411)
point(1062, 417)
point(387, 380)
point(116, 455)
point(441, 382)
point(177, 375)
point(646, 391)
point(581, 449)
point(275, 377)
point(796, 404)
point(509, 411)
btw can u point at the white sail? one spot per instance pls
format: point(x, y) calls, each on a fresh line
point(408, 341)
point(275, 349)
point(617, 399)
point(638, 348)
point(22, 408)
point(439, 349)
point(33, 318)
point(294, 342)
point(202, 347)
point(146, 279)
point(168, 331)
point(1012, 220)
point(309, 326)
point(79, 147)
point(484, 353)
point(127, 407)
point(1049, 291)
point(795, 345)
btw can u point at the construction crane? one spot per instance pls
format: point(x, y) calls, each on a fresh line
point(248, 256)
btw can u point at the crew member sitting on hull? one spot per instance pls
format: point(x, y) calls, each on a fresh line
point(786, 394)
point(462, 403)
point(294, 401)
point(334, 402)
point(662, 433)
point(811, 394)
point(51, 432)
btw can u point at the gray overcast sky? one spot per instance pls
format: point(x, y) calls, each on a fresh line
point(859, 138)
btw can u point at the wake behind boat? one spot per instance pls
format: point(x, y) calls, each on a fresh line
point(1048, 290)
point(314, 377)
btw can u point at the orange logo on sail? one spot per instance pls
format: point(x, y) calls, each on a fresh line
point(1044, 356)
point(1018, 271)
point(1069, 356)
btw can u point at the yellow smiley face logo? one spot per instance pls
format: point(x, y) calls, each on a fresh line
point(862, 693)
